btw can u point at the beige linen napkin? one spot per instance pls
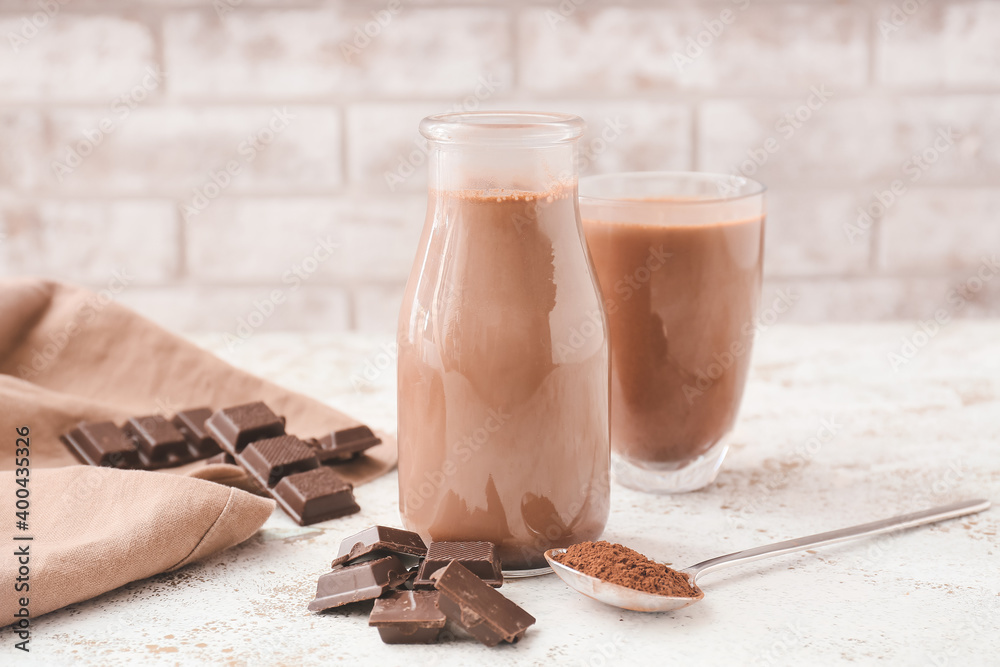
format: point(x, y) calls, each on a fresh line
point(67, 354)
point(96, 529)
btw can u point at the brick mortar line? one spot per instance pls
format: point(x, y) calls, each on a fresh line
point(353, 193)
point(678, 98)
point(818, 187)
point(367, 5)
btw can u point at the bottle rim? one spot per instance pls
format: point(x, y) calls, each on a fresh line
point(508, 128)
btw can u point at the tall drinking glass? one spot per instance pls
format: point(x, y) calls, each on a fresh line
point(679, 258)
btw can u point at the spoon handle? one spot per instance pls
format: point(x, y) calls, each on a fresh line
point(843, 535)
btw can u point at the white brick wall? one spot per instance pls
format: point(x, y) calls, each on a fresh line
point(213, 158)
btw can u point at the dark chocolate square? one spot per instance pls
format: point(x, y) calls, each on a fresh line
point(345, 444)
point(363, 581)
point(315, 496)
point(159, 442)
point(270, 460)
point(102, 444)
point(479, 557)
point(191, 423)
point(408, 617)
point(482, 611)
point(381, 540)
point(235, 428)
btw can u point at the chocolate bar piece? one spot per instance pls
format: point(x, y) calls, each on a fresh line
point(364, 581)
point(235, 428)
point(222, 457)
point(379, 541)
point(408, 617)
point(345, 444)
point(480, 558)
point(102, 444)
point(270, 460)
point(159, 442)
point(191, 423)
point(485, 613)
point(314, 496)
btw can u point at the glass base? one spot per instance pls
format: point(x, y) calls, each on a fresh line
point(671, 477)
point(524, 574)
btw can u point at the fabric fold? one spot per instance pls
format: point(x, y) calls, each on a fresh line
point(95, 529)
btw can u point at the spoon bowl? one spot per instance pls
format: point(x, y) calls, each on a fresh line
point(630, 598)
point(614, 594)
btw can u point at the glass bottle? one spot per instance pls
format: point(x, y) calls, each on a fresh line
point(503, 379)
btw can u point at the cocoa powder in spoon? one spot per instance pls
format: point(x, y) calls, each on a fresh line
point(620, 565)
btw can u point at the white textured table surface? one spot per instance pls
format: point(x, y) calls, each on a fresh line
point(830, 435)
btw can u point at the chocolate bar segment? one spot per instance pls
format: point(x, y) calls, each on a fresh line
point(379, 540)
point(480, 558)
point(314, 496)
point(191, 423)
point(235, 428)
point(472, 604)
point(364, 581)
point(408, 617)
point(270, 460)
point(345, 444)
point(159, 442)
point(102, 444)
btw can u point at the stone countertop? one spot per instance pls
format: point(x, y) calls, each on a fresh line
point(831, 435)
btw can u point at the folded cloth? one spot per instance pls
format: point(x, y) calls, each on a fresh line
point(95, 529)
point(67, 355)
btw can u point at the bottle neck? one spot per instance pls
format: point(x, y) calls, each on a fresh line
point(489, 168)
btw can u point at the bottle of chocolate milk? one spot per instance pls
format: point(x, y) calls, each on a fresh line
point(504, 431)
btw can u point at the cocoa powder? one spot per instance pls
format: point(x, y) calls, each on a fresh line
point(620, 565)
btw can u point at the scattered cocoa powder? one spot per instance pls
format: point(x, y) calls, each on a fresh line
point(620, 565)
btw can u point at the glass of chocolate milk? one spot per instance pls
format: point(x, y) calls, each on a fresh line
point(679, 258)
point(503, 369)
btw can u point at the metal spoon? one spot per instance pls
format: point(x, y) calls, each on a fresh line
point(628, 598)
